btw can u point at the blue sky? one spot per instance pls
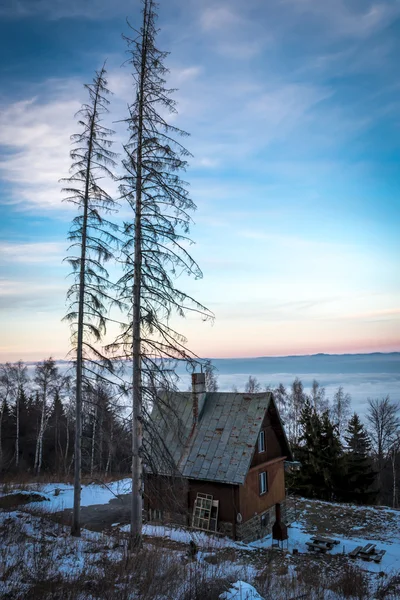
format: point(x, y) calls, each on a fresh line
point(293, 107)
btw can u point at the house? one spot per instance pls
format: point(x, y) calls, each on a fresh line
point(226, 456)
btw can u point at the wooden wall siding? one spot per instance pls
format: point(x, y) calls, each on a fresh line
point(272, 443)
point(166, 493)
point(250, 501)
point(228, 496)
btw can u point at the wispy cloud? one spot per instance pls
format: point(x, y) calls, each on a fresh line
point(219, 18)
point(347, 19)
point(20, 294)
point(35, 136)
point(32, 253)
point(58, 9)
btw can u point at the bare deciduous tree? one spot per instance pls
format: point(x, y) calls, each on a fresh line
point(211, 378)
point(47, 380)
point(384, 426)
point(340, 411)
point(91, 235)
point(252, 386)
point(297, 399)
point(280, 395)
point(318, 398)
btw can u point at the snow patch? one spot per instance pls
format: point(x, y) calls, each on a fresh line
point(241, 591)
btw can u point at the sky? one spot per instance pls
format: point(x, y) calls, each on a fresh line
point(293, 107)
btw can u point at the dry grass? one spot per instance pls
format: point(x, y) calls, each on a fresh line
point(39, 560)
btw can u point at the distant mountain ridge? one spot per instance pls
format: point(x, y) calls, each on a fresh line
point(373, 362)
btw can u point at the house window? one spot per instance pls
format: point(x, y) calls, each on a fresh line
point(261, 441)
point(263, 482)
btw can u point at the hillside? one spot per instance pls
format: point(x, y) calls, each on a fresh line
point(41, 560)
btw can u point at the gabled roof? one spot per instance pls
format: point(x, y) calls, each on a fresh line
point(221, 446)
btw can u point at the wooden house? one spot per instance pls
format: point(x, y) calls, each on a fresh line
point(228, 452)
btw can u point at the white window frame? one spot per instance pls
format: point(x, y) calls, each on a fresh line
point(261, 442)
point(263, 482)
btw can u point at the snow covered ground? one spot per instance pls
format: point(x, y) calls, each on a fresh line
point(351, 525)
point(39, 544)
point(60, 496)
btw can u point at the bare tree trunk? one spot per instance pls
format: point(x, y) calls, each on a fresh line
point(66, 446)
point(101, 439)
point(17, 425)
point(76, 524)
point(1, 425)
point(137, 479)
point(394, 478)
point(39, 441)
point(93, 442)
point(108, 465)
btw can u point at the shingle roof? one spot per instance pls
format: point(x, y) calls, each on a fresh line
point(221, 446)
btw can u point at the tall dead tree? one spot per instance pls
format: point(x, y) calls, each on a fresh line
point(92, 237)
point(156, 239)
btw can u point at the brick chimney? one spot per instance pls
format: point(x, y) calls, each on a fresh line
point(198, 395)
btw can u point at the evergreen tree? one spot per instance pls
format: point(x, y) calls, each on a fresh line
point(308, 481)
point(55, 440)
point(360, 475)
point(320, 454)
point(331, 458)
point(26, 432)
point(7, 425)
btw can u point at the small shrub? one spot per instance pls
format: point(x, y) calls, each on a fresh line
point(352, 582)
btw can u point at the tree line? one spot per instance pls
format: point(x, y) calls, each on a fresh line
point(342, 456)
point(37, 424)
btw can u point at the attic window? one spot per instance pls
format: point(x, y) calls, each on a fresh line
point(261, 441)
point(263, 482)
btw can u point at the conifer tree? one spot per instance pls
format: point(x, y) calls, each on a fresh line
point(331, 458)
point(57, 426)
point(18, 379)
point(360, 475)
point(155, 250)
point(309, 480)
point(7, 425)
point(91, 235)
point(320, 454)
point(6, 390)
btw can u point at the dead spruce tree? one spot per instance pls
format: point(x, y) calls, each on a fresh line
point(154, 251)
point(92, 238)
